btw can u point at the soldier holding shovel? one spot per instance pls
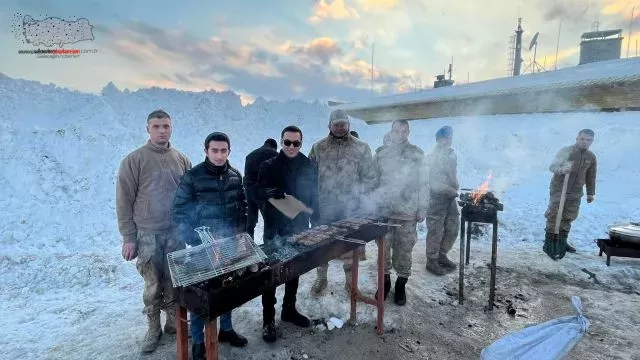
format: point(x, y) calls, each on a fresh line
point(573, 167)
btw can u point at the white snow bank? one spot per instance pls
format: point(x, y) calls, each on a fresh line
point(60, 261)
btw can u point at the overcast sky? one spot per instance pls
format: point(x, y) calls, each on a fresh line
point(308, 49)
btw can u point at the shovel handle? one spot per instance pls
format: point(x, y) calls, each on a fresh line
point(563, 197)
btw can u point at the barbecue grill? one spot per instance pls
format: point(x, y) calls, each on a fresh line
point(623, 241)
point(478, 207)
point(294, 256)
point(212, 258)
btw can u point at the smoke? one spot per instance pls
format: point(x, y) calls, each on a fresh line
point(572, 11)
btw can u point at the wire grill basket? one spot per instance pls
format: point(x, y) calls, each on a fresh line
point(212, 258)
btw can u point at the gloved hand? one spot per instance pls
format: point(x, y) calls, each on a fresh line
point(565, 169)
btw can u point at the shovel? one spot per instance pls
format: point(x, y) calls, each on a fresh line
point(558, 249)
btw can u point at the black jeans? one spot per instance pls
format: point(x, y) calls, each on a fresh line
point(288, 302)
point(269, 295)
point(253, 206)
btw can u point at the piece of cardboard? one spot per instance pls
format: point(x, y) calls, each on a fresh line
point(290, 206)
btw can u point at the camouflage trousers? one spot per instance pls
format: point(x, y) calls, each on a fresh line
point(398, 245)
point(569, 214)
point(443, 222)
point(153, 248)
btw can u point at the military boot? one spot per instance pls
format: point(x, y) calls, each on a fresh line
point(400, 296)
point(363, 253)
point(445, 262)
point(170, 324)
point(565, 236)
point(321, 280)
point(387, 286)
point(434, 267)
point(154, 332)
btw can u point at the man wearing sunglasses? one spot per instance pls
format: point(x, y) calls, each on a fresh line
point(290, 172)
point(345, 172)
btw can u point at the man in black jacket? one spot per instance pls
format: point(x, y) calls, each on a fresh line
point(291, 172)
point(251, 167)
point(211, 195)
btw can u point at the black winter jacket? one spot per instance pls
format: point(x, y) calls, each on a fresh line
point(297, 177)
point(253, 161)
point(212, 196)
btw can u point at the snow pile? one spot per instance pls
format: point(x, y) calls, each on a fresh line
point(61, 151)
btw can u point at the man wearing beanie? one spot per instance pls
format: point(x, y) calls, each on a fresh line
point(443, 216)
point(402, 197)
point(251, 168)
point(211, 195)
point(345, 171)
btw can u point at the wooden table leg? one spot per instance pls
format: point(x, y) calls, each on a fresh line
point(380, 299)
point(461, 266)
point(181, 334)
point(211, 339)
point(355, 264)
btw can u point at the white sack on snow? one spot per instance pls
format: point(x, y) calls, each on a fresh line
point(552, 340)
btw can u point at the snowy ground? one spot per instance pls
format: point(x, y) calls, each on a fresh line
point(65, 291)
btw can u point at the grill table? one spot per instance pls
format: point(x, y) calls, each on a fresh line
point(210, 299)
point(471, 213)
point(618, 248)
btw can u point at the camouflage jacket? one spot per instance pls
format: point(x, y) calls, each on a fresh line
point(443, 178)
point(345, 172)
point(583, 172)
point(402, 181)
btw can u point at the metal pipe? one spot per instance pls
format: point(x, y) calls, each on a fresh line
point(494, 255)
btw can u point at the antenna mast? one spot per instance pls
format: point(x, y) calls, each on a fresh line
point(517, 61)
point(372, 50)
point(557, 46)
point(630, 24)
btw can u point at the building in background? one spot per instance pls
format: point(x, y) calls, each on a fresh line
point(600, 46)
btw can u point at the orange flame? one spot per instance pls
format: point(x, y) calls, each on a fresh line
point(478, 193)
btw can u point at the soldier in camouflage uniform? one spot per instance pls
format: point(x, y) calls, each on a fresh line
point(402, 198)
point(147, 180)
point(443, 216)
point(345, 171)
point(581, 165)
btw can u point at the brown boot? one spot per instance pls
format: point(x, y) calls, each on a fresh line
point(170, 324)
point(321, 280)
point(434, 267)
point(363, 254)
point(154, 332)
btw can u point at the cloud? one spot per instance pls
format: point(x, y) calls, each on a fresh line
point(613, 7)
point(377, 5)
point(318, 69)
point(322, 49)
point(336, 10)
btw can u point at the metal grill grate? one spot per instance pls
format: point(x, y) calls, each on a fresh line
point(212, 258)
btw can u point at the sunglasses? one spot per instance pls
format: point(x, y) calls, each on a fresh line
point(294, 143)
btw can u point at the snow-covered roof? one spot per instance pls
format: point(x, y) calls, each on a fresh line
point(604, 72)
